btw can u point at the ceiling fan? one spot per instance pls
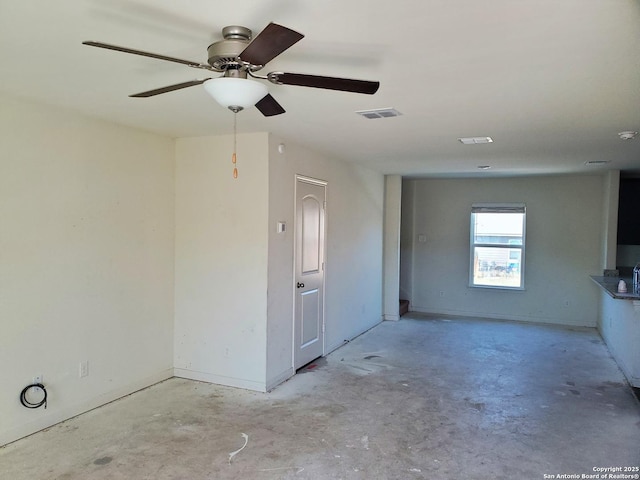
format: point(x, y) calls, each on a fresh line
point(238, 57)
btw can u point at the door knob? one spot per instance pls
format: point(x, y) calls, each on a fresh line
point(300, 285)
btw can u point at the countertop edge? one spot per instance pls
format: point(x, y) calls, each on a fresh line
point(610, 286)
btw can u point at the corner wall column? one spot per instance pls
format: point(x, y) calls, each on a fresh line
point(391, 248)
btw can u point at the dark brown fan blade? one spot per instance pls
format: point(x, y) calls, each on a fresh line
point(330, 83)
point(170, 88)
point(108, 46)
point(270, 43)
point(269, 107)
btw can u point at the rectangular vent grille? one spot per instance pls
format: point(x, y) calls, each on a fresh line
point(475, 140)
point(379, 113)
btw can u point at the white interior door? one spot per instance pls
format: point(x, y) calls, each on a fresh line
point(309, 271)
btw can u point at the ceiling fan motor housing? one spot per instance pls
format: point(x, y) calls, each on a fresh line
point(223, 55)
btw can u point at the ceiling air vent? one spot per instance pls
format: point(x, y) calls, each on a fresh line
point(628, 135)
point(475, 140)
point(379, 113)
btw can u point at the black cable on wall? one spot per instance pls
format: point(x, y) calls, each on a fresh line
point(27, 403)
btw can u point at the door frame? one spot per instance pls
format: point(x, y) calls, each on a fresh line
point(325, 184)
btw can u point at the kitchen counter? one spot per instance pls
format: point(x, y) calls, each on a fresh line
point(610, 285)
point(619, 324)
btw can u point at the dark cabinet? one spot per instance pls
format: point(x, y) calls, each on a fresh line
point(629, 212)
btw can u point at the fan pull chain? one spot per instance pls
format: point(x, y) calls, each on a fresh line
point(233, 157)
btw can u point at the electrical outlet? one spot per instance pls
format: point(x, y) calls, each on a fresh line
point(37, 379)
point(84, 369)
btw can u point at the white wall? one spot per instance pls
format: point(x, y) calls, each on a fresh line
point(407, 239)
point(86, 261)
point(563, 247)
point(221, 260)
point(353, 280)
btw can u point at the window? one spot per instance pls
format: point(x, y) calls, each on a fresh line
point(497, 246)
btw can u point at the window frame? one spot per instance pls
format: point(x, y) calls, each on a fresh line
point(497, 208)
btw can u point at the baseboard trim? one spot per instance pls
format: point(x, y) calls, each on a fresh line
point(53, 417)
point(492, 316)
point(331, 348)
point(278, 379)
point(220, 379)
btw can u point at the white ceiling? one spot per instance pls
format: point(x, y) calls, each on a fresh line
point(551, 81)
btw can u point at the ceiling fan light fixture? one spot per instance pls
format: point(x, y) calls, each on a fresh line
point(235, 93)
point(238, 56)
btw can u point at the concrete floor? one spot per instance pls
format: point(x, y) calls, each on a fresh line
point(422, 398)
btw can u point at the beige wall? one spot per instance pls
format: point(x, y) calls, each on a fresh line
point(353, 274)
point(234, 272)
point(392, 224)
point(140, 255)
point(221, 260)
point(86, 261)
point(563, 247)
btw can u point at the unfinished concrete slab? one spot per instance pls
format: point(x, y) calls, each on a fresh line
point(419, 398)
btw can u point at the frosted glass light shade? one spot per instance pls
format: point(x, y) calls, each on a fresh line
point(235, 92)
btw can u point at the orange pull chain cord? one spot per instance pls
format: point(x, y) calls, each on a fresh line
point(233, 157)
point(235, 170)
